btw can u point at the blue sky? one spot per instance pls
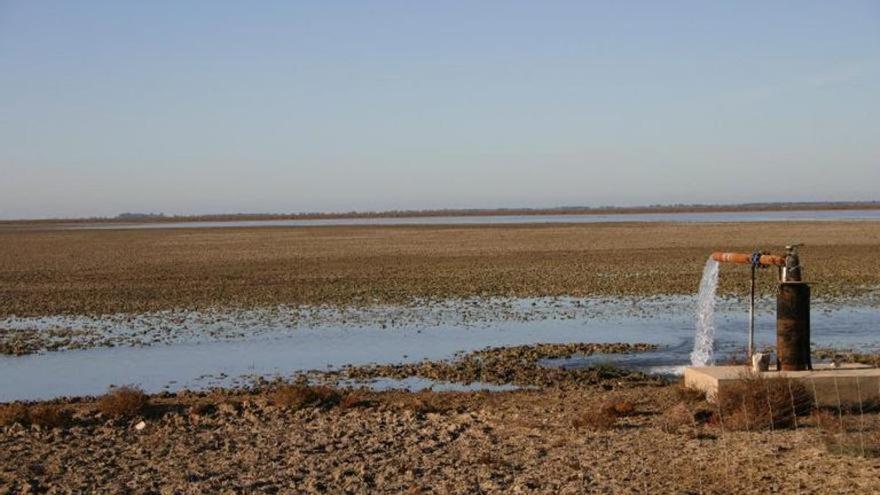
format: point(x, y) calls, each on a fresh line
point(209, 107)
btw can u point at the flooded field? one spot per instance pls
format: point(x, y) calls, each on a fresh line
point(179, 309)
point(505, 356)
point(168, 351)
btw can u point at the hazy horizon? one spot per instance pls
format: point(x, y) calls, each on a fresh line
point(284, 107)
point(696, 207)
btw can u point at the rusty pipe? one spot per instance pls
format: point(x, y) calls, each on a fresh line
point(793, 327)
point(746, 259)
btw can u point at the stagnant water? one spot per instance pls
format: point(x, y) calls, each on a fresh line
point(199, 364)
point(704, 338)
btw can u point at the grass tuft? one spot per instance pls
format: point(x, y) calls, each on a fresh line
point(49, 416)
point(123, 402)
point(356, 400)
point(677, 417)
point(42, 415)
point(11, 414)
point(757, 403)
point(604, 416)
point(619, 408)
point(595, 419)
point(687, 394)
point(862, 444)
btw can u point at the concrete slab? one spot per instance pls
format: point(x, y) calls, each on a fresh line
point(848, 384)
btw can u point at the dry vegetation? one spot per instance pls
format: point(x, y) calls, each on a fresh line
point(123, 402)
point(54, 272)
point(45, 415)
point(605, 415)
point(756, 403)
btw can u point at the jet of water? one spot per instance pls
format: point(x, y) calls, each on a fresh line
point(704, 339)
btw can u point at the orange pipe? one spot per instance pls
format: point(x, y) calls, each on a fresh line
point(746, 259)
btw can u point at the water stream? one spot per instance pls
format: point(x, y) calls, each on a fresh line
point(704, 338)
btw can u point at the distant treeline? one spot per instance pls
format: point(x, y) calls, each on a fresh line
point(560, 210)
point(140, 216)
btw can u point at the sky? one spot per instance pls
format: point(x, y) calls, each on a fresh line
point(201, 107)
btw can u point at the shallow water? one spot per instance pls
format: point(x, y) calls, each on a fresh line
point(853, 328)
point(203, 364)
point(708, 217)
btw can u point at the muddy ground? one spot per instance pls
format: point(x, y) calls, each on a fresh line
point(594, 430)
point(530, 441)
point(46, 272)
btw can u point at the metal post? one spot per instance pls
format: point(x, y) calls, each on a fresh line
point(752, 315)
point(793, 327)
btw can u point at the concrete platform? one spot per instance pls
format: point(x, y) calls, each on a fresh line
point(832, 386)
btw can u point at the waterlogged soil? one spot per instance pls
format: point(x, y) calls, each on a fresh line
point(392, 331)
point(45, 272)
point(28, 335)
point(523, 441)
point(518, 365)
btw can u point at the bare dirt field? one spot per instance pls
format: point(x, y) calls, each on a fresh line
point(617, 435)
point(77, 272)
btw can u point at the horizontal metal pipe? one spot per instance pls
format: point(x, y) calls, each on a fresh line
point(746, 258)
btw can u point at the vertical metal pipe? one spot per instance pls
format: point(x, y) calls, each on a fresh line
point(792, 269)
point(752, 315)
point(793, 327)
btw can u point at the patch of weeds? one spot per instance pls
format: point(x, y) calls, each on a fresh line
point(123, 402)
point(859, 444)
point(595, 419)
point(844, 434)
point(687, 394)
point(687, 418)
point(677, 417)
point(11, 414)
point(49, 416)
point(42, 415)
point(828, 420)
point(758, 403)
point(619, 408)
point(299, 396)
point(356, 400)
point(604, 416)
point(424, 402)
